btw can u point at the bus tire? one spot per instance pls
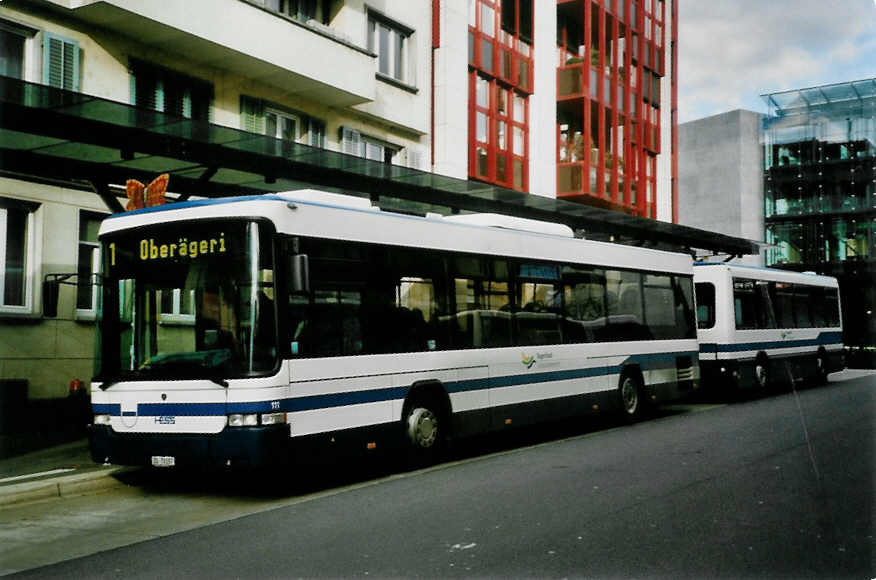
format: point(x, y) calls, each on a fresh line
point(426, 429)
point(821, 370)
point(762, 378)
point(631, 396)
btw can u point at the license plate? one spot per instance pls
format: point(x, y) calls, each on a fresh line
point(163, 461)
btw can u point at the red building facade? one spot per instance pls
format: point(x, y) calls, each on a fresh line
point(610, 74)
point(500, 82)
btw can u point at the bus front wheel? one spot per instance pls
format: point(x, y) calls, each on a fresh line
point(425, 432)
point(422, 428)
point(630, 393)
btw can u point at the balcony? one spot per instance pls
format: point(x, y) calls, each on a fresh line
point(259, 45)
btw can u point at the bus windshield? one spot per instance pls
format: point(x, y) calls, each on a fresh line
point(188, 300)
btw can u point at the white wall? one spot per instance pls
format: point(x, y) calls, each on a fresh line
point(543, 103)
point(664, 160)
point(451, 92)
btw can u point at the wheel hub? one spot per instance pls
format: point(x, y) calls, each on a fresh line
point(630, 396)
point(422, 427)
point(761, 374)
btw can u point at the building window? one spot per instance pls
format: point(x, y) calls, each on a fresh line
point(389, 41)
point(302, 10)
point(88, 264)
point(12, 47)
point(355, 143)
point(258, 116)
point(499, 40)
point(60, 62)
point(517, 18)
point(282, 125)
point(499, 121)
point(177, 306)
point(16, 257)
point(171, 92)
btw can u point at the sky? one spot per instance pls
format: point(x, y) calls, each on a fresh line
point(733, 51)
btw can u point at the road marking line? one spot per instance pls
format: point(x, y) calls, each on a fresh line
point(40, 474)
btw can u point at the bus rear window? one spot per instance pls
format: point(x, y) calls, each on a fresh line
point(705, 292)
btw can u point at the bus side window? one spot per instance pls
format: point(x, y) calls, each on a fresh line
point(625, 309)
point(482, 302)
point(685, 319)
point(584, 303)
point(783, 303)
point(705, 295)
point(802, 305)
point(538, 318)
point(832, 307)
point(817, 298)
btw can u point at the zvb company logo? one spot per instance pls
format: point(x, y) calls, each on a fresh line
point(527, 361)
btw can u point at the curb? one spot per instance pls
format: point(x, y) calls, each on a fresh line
point(61, 487)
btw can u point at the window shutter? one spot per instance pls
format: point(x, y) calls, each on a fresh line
point(60, 62)
point(351, 141)
point(252, 115)
point(147, 90)
point(317, 133)
point(415, 159)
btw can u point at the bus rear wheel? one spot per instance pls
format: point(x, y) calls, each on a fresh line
point(762, 373)
point(821, 369)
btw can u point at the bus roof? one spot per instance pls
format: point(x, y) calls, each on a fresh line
point(772, 274)
point(301, 213)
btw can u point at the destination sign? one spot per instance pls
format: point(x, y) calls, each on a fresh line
point(182, 248)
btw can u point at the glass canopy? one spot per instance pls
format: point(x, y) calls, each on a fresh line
point(78, 137)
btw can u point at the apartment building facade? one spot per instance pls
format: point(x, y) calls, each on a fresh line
point(469, 91)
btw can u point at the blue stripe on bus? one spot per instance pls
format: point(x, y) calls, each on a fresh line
point(313, 402)
point(825, 338)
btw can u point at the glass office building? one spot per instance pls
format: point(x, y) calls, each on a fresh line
point(820, 194)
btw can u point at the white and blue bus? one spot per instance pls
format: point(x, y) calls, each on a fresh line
point(759, 326)
point(235, 330)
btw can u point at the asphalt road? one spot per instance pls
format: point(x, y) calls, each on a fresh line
point(781, 486)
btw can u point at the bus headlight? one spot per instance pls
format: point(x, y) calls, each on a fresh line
point(273, 418)
point(101, 419)
point(241, 420)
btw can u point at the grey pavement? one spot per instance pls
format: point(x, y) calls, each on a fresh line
point(55, 472)
point(67, 470)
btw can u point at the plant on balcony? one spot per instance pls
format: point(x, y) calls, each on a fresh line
point(594, 56)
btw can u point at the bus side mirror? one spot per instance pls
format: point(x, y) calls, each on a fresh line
point(299, 274)
point(50, 297)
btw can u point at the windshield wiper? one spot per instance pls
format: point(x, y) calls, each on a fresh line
point(107, 384)
point(219, 381)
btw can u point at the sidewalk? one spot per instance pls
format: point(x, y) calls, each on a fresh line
point(61, 471)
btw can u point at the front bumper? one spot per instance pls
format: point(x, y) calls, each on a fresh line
point(245, 447)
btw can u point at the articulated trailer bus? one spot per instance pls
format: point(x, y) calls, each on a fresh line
point(236, 330)
point(760, 327)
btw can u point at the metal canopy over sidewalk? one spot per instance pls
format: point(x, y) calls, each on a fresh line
point(66, 136)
